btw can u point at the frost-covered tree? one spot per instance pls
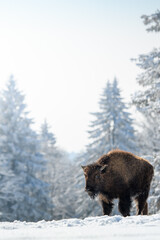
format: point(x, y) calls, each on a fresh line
point(153, 20)
point(51, 154)
point(154, 199)
point(112, 127)
point(48, 139)
point(58, 175)
point(147, 101)
point(64, 195)
point(49, 150)
point(23, 195)
point(148, 137)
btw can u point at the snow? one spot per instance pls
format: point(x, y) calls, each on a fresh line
point(115, 227)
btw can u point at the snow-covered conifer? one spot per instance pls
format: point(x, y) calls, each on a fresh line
point(147, 101)
point(23, 195)
point(58, 175)
point(153, 20)
point(48, 139)
point(112, 127)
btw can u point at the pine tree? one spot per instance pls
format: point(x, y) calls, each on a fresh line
point(153, 20)
point(147, 101)
point(113, 125)
point(47, 137)
point(51, 154)
point(23, 196)
point(58, 175)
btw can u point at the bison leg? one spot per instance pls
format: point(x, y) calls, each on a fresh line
point(142, 205)
point(124, 206)
point(107, 207)
point(145, 209)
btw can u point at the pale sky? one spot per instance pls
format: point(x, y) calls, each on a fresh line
point(62, 53)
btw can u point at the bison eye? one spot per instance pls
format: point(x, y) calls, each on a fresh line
point(97, 176)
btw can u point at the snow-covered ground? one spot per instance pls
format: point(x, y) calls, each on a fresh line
point(116, 227)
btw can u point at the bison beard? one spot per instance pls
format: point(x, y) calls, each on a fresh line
point(121, 175)
point(92, 193)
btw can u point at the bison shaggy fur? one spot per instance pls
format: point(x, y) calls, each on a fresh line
point(121, 175)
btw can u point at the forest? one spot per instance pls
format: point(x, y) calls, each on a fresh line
point(37, 178)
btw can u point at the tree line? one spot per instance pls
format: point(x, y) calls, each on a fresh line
point(37, 180)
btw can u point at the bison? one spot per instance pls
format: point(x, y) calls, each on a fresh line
point(122, 175)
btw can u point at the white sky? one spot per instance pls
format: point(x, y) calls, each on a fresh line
point(62, 52)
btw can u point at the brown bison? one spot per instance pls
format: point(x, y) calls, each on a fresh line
point(121, 175)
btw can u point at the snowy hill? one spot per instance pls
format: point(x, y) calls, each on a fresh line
point(116, 227)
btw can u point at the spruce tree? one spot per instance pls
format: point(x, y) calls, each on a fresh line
point(51, 154)
point(48, 139)
point(147, 101)
point(23, 196)
point(58, 175)
point(113, 126)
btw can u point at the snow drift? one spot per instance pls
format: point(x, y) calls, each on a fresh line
point(115, 227)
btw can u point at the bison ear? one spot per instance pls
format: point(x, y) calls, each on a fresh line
point(83, 167)
point(103, 169)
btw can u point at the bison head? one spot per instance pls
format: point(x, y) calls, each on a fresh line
point(93, 176)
